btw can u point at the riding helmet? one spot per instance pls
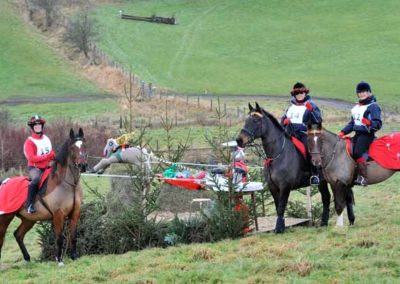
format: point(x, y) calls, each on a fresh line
point(363, 87)
point(36, 120)
point(299, 88)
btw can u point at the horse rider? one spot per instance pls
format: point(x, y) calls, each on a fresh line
point(301, 112)
point(365, 121)
point(122, 142)
point(39, 152)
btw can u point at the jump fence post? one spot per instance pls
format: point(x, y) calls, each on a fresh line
point(187, 100)
point(211, 105)
point(198, 101)
point(237, 111)
point(309, 204)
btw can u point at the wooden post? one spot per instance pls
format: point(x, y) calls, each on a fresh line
point(198, 101)
point(211, 105)
point(237, 111)
point(309, 204)
point(187, 100)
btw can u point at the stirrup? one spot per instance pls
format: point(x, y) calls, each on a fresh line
point(361, 181)
point(314, 180)
point(31, 209)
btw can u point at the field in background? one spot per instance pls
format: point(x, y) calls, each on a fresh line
point(32, 71)
point(259, 47)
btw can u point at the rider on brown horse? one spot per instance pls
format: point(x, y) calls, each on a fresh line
point(38, 151)
point(365, 121)
point(301, 111)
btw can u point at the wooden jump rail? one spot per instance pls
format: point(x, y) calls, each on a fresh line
point(152, 19)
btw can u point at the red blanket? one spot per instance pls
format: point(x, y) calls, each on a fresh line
point(300, 146)
point(386, 151)
point(13, 194)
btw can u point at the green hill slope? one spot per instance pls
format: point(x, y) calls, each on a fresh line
point(29, 68)
point(258, 46)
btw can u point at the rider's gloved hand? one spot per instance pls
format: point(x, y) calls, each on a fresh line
point(309, 106)
point(286, 121)
point(341, 134)
point(366, 121)
point(51, 156)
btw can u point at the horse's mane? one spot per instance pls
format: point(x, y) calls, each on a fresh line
point(276, 123)
point(61, 157)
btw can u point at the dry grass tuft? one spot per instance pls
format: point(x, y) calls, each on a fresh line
point(302, 268)
point(200, 254)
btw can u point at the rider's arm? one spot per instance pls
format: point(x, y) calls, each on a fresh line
point(349, 127)
point(316, 116)
point(30, 153)
point(375, 117)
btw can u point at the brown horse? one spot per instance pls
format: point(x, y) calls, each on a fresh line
point(61, 200)
point(329, 152)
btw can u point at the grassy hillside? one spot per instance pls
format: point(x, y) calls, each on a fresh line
point(368, 252)
point(259, 47)
point(32, 71)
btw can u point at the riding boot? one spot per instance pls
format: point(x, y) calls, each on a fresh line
point(362, 174)
point(31, 198)
point(314, 179)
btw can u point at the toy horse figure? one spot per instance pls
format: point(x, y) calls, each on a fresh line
point(113, 153)
point(285, 169)
point(62, 198)
point(330, 153)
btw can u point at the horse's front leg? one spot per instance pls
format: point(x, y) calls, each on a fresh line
point(58, 221)
point(19, 235)
point(280, 221)
point(73, 224)
point(326, 200)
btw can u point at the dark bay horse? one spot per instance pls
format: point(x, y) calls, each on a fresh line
point(329, 152)
point(287, 169)
point(62, 198)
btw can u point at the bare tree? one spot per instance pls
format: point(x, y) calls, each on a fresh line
point(49, 6)
point(81, 30)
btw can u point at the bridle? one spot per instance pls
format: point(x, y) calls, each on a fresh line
point(261, 152)
point(75, 166)
point(318, 152)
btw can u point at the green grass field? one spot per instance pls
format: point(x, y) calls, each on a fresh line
point(368, 252)
point(259, 47)
point(31, 70)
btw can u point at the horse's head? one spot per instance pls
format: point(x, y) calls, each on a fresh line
point(314, 143)
point(253, 126)
point(110, 146)
point(77, 149)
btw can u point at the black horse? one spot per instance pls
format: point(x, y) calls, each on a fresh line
point(287, 169)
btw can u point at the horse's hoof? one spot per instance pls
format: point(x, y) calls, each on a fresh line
point(279, 231)
point(60, 264)
point(324, 224)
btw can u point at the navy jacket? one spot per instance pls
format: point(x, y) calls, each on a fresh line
point(299, 116)
point(368, 109)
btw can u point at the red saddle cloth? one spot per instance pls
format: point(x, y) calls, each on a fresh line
point(14, 192)
point(300, 146)
point(386, 151)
